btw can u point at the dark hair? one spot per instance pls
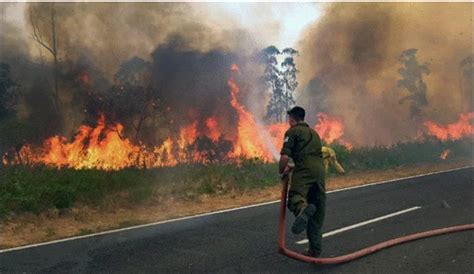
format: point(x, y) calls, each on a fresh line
point(297, 113)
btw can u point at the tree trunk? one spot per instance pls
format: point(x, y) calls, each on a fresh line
point(55, 55)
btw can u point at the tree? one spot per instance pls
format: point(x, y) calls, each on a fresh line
point(211, 151)
point(131, 100)
point(133, 77)
point(281, 78)
point(135, 71)
point(289, 77)
point(412, 80)
point(268, 57)
point(51, 45)
point(127, 104)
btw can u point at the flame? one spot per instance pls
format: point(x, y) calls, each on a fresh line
point(276, 132)
point(213, 130)
point(249, 142)
point(106, 147)
point(455, 131)
point(444, 154)
point(187, 137)
point(98, 147)
point(331, 129)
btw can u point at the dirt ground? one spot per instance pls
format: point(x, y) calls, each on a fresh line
point(29, 228)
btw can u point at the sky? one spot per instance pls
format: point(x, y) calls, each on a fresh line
point(278, 24)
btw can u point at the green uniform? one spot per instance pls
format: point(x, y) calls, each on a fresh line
point(303, 145)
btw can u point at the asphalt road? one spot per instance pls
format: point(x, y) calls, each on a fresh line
point(245, 240)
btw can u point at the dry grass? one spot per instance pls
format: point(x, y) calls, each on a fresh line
point(54, 224)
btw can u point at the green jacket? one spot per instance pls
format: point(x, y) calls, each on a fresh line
point(303, 145)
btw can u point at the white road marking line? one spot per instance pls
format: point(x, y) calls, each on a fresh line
point(214, 212)
point(340, 230)
point(400, 179)
point(133, 227)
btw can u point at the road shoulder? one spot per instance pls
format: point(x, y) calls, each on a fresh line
point(28, 228)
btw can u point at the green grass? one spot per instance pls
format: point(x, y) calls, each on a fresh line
point(35, 189)
point(39, 188)
point(402, 154)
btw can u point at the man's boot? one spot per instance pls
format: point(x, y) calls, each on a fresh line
point(311, 253)
point(301, 221)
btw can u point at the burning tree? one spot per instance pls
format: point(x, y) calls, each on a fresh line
point(412, 79)
point(131, 100)
point(212, 151)
point(135, 71)
point(281, 78)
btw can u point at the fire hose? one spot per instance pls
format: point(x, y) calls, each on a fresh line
point(357, 254)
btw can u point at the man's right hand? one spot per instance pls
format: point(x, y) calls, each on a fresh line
point(286, 172)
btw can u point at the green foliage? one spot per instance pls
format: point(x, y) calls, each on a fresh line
point(401, 154)
point(281, 78)
point(35, 189)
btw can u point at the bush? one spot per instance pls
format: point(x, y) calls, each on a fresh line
point(35, 189)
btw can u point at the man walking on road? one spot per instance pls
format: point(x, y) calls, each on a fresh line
point(307, 194)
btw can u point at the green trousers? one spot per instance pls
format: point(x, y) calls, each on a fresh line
point(301, 195)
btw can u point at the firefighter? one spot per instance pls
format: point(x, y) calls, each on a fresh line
point(329, 156)
point(307, 193)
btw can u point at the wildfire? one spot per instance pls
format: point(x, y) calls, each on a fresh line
point(213, 130)
point(276, 132)
point(331, 129)
point(100, 147)
point(106, 147)
point(444, 154)
point(249, 141)
point(455, 131)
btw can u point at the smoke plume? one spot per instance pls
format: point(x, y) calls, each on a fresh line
point(349, 66)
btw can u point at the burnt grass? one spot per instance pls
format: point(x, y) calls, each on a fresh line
point(40, 188)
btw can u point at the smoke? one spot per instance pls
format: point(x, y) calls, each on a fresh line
point(349, 62)
point(194, 84)
point(112, 32)
point(189, 55)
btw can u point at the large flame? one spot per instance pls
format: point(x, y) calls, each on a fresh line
point(213, 129)
point(276, 133)
point(249, 142)
point(455, 131)
point(105, 146)
point(100, 147)
point(331, 129)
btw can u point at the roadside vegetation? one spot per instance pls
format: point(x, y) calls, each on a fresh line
point(38, 189)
